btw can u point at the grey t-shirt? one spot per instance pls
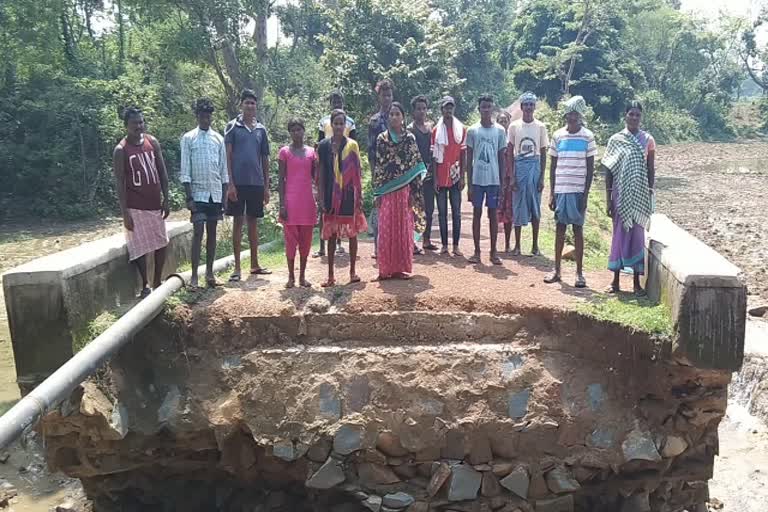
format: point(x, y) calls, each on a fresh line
point(486, 144)
point(248, 148)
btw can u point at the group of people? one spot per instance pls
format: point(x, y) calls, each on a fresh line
point(414, 166)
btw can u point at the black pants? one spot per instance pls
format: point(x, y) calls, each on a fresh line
point(442, 213)
point(429, 205)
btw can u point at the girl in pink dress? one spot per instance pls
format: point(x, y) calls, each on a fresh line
point(298, 212)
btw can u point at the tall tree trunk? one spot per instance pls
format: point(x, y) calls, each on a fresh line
point(120, 35)
point(581, 37)
point(67, 38)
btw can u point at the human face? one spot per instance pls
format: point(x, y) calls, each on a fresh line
point(528, 107)
point(420, 112)
point(385, 99)
point(573, 121)
point(297, 134)
point(486, 111)
point(503, 120)
point(447, 111)
point(204, 120)
point(395, 119)
point(248, 106)
point(337, 103)
point(135, 126)
point(339, 123)
point(633, 118)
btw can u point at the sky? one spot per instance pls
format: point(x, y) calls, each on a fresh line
point(712, 8)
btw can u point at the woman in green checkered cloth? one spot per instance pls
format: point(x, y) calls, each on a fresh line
point(629, 165)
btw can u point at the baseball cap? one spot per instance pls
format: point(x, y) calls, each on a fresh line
point(447, 100)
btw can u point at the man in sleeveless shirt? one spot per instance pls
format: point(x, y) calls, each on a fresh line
point(142, 188)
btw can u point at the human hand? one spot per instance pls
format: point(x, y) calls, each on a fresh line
point(462, 183)
point(128, 221)
point(283, 212)
point(469, 194)
point(583, 202)
point(609, 209)
point(231, 192)
point(552, 203)
point(541, 186)
point(266, 196)
point(166, 208)
point(191, 205)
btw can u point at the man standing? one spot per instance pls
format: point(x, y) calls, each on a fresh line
point(205, 178)
point(486, 162)
point(385, 92)
point(422, 130)
point(248, 168)
point(142, 188)
point(325, 129)
point(572, 166)
point(449, 152)
point(528, 142)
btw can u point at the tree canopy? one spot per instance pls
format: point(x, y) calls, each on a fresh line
point(70, 66)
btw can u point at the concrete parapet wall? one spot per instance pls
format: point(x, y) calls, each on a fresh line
point(704, 292)
point(47, 298)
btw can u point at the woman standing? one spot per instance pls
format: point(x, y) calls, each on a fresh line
point(341, 193)
point(297, 206)
point(505, 204)
point(397, 188)
point(630, 173)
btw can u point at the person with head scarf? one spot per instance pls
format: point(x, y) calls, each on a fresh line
point(572, 166)
point(630, 172)
point(528, 142)
point(397, 187)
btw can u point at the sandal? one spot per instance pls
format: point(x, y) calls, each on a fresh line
point(211, 282)
point(290, 284)
point(418, 252)
point(554, 278)
point(145, 293)
point(475, 258)
point(613, 289)
point(354, 279)
point(536, 252)
point(234, 277)
point(640, 292)
point(305, 284)
point(430, 247)
point(261, 271)
point(329, 283)
point(444, 250)
point(515, 252)
point(495, 260)
point(318, 254)
point(457, 252)
point(580, 282)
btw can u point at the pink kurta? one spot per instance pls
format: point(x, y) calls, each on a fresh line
point(395, 242)
point(299, 200)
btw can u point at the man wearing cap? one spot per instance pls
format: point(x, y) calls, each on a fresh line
point(449, 139)
point(572, 166)
point(528, 142)
point(385, 92)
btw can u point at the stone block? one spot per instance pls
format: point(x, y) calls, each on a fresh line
point(464, 483)
point(674, 446)
point(389, 444)
point(440, 474)
point(479, 450)
point(639, 445)
point(560, 481)
point(329, 475)
point(518, 404)
point(455, 447)
point(372, 503)
point(348, 439)
point(489, 486)
point(329, 402)
point(705, 295)
point(49, 298)
point(319, 451)
point(398, 500)
point(357, 392)
point(375, 474)
point(517, 481)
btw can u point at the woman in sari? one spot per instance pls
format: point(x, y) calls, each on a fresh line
point(630, 173)
point(397, 188)
point(341, 193)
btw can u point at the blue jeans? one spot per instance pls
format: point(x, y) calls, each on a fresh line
point(429, 205)
point(442, 213)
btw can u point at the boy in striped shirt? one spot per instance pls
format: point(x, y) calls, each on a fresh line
point(572, 166)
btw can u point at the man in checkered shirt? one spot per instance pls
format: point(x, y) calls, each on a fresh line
point(205, 179)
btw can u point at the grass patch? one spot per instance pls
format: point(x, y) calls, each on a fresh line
point(637, 313)
point(6, 405)
point(91, 330)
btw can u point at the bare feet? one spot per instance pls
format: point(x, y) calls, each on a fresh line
point(354, 278)
point(535, 252)
point(475, 258)
point(401, 275)
point(291, 283)
point(329, 283)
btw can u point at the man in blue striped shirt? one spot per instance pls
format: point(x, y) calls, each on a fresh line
point(205, 179)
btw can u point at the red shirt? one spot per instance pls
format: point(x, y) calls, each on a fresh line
point(451, 156)
point(142, 181)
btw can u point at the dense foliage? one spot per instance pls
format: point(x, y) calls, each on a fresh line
point(70, 66)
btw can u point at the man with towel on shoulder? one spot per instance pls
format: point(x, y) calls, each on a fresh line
point(449, 138)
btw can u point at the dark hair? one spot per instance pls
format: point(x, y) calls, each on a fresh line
point(398, 106)
point(336, 94)
point(295, 121)
point(204, 105)
point(248, 93)
point(336, 113)
point(503, 113)
point(130, 112)
point(633, 104)
point(383, 85)
point(484, 97)
point(419, 99)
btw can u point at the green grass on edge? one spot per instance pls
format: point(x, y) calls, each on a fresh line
point(81, 337)
point(637, 313)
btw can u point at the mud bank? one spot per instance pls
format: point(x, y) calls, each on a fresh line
point(308, 410)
